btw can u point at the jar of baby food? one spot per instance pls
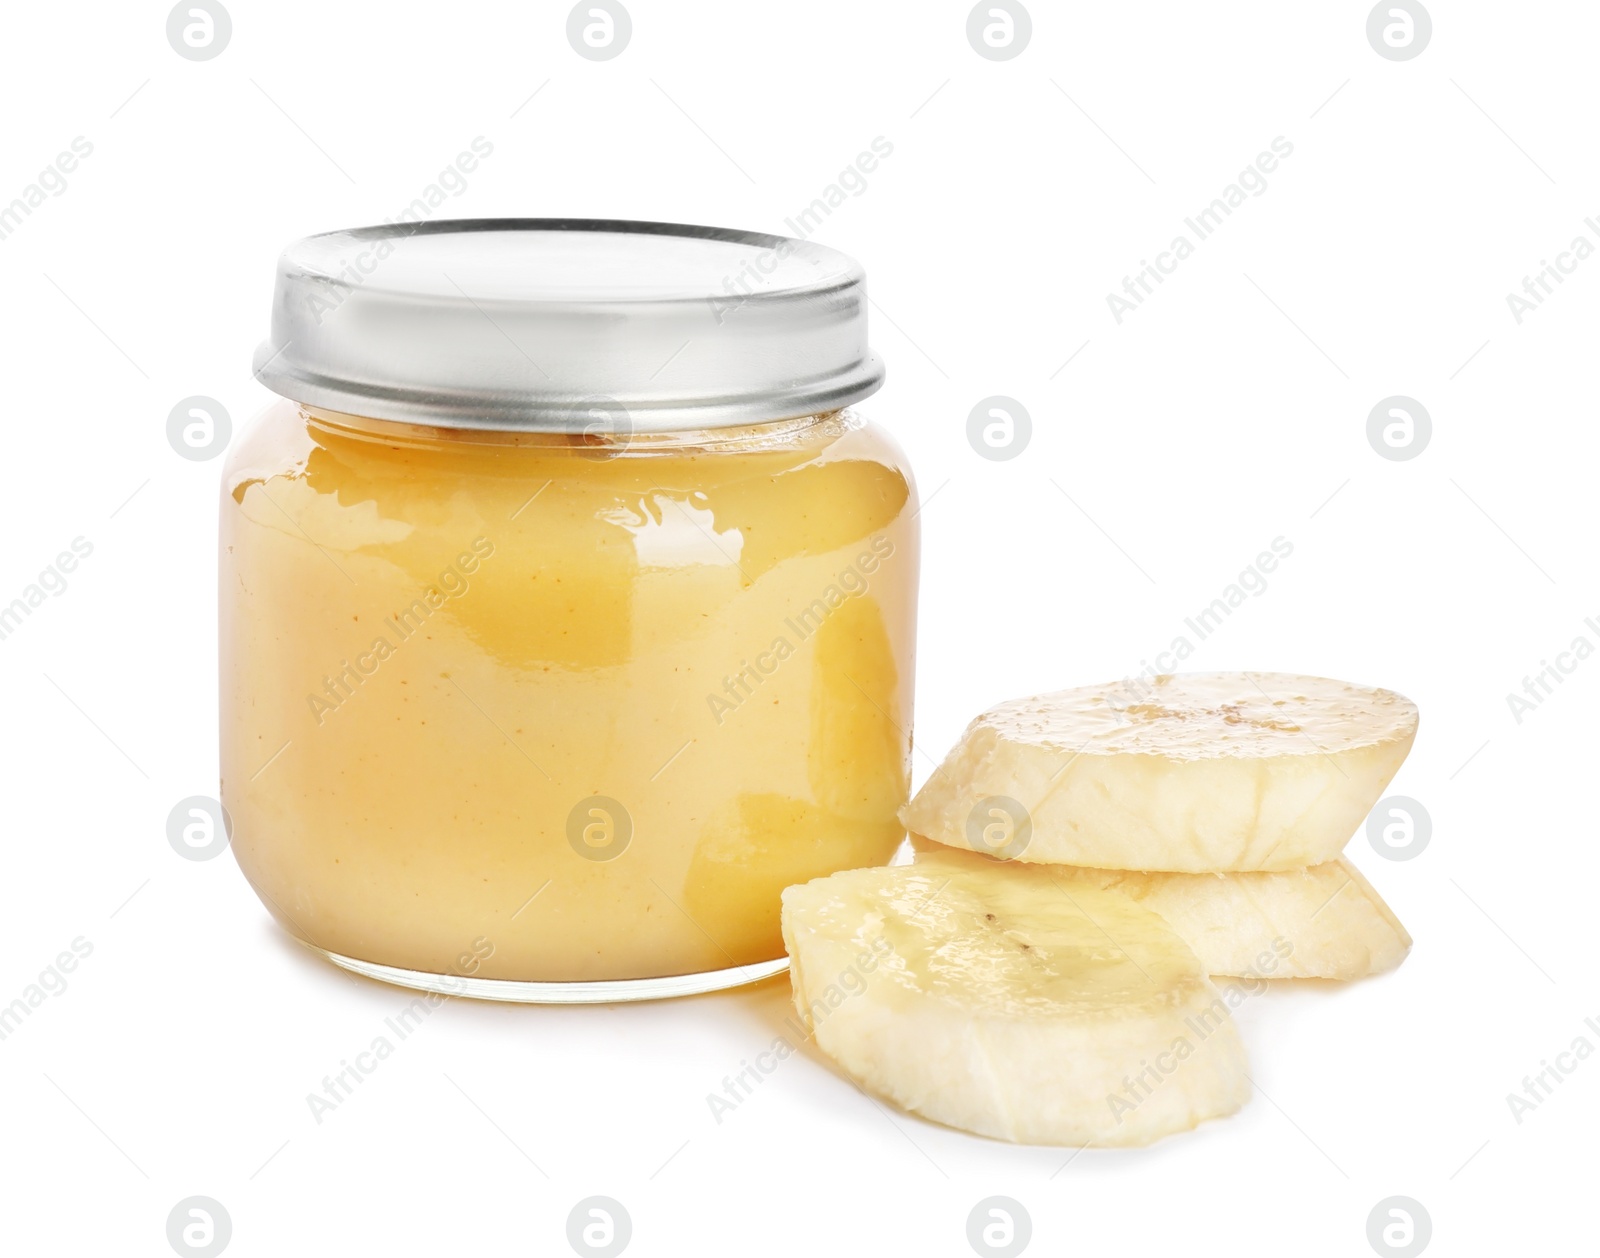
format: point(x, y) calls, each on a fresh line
point(567, 610)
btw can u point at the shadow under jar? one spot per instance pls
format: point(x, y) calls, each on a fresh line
point(567, 613)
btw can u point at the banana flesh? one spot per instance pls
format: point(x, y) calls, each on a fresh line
point(1194, 773)
point(1325, 921)
point(1013, 1004)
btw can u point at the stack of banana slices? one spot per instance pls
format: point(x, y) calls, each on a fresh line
point(1085, 862)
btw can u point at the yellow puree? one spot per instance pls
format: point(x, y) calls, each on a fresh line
point(437, 645)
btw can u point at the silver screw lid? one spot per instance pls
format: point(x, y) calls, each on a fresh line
point(539, 323)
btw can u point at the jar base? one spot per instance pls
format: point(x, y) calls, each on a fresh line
point(606, 991)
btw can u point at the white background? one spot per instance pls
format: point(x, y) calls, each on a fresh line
point(1229, 410)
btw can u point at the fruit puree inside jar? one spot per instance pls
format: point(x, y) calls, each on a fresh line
point(531, 706)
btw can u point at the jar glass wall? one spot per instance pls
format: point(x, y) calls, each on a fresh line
point(556, 709)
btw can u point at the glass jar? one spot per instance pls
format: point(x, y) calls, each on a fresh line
point(567, 611)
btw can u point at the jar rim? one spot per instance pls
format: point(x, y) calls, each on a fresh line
point(595, 444)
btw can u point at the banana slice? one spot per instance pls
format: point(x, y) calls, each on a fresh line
point(1321, 922)
point(1191, 773)
point(1006, 1002)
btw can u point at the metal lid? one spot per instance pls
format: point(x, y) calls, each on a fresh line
point(538, 323)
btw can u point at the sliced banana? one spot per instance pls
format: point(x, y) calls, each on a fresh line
point(1322, 922)
point(1193, 772)
point(1011, 1003)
